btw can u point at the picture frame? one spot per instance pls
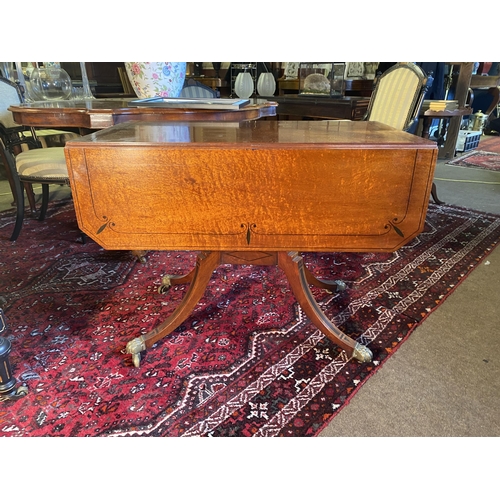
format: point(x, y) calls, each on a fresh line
point(291, 70)
point(354, 70)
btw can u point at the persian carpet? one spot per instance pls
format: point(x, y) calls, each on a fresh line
point(482, 159)
point(247, 362)
point(491, 144)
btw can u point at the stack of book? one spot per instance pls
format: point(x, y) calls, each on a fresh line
point(439, 105)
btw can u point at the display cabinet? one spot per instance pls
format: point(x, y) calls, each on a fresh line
point(321, 79)
point(104, 77)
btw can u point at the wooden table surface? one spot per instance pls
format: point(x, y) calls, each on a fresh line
point(255, 192)
point(102, 113)
point(308, 186)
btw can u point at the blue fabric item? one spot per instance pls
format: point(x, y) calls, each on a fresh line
point(436, 90)
point(495, 125)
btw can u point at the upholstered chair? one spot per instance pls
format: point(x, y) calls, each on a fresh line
point(43, 166)
point(18, 138)
point(398, 96)
point(193, 88)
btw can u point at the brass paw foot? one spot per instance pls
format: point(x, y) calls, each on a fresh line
point(140, 255)
point(135, 347)
point(341, 286)
point(362, 353)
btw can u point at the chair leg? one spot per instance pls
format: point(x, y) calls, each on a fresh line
point(434, 195)
point(19, 209)
point(17, 191)
point(31, 196)
point(45, 201)
point(9, 176)
point(44, 206)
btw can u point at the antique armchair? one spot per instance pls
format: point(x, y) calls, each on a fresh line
point(10, 93)
point(18, 138)
point(193, 88)
point(398, 96)
point(25, 160)
point(43, 166)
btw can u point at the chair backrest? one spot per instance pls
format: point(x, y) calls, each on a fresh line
point(12, 134)
point(398, 96)
point(9, 94)
point(193, 88)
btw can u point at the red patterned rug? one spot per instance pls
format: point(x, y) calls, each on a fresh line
point(491, 144)
point(246, 363)
point(487, 157)
point(478, 159)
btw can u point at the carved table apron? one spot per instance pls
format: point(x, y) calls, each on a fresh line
point(255, 192)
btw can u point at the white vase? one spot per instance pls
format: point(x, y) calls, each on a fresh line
point(266, 84)
point(150, 79)
point(243, 85)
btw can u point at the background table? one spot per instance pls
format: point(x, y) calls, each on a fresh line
point(102, 113)
point(87, 115)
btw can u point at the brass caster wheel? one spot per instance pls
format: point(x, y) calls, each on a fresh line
point(22, 391)
point(165, 284)
point(140, 255)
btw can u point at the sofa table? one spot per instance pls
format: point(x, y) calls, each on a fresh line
point(94, 114)
point(255, 192)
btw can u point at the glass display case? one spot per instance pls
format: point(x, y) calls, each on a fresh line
point(321, 79)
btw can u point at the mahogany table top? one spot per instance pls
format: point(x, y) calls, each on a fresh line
point(102, 113)
point(323, 134)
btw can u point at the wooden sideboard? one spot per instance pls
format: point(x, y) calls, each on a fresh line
point(346, 108)
point(360, 88)
point(96, 114)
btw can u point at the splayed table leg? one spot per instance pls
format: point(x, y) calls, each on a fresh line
point(205, 265)
point(298, 276)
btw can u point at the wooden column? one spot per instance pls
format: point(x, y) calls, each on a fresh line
point(464, 77)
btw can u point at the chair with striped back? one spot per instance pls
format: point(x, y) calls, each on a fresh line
point(397, 99)
point(398, 96)
point(17, 138)
point(43, 166)
point(193, 88)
